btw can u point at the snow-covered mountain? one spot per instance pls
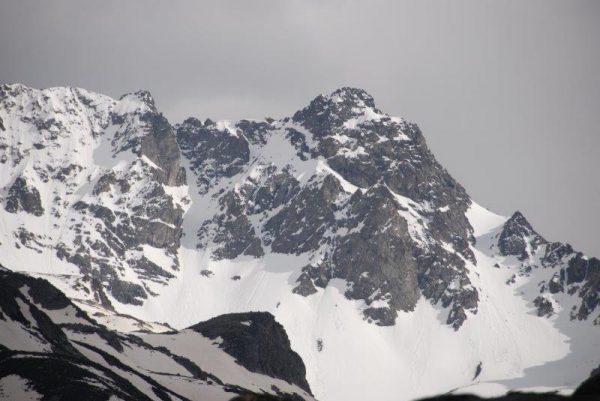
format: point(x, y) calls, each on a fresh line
point(338, 221)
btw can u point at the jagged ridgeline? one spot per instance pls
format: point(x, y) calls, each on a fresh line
point(339, 217)
point(372, 205)
point(375, 208)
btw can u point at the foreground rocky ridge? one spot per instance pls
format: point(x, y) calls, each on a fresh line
point(49, 347)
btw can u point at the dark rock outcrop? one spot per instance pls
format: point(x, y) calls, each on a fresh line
point(300, 226)
point(119, 200)
point(160, 146)
point(517, 234)
point(23, 197)
point(355, 191)
point(339, 107)
point(585, 273)
point(214, 153)
point(258, 343)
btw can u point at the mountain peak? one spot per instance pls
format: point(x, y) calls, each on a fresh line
point(344, 98)
point(141, 99)
point(13, 86)
point(517, 235)
point(326, 113)
point(519, 220)
point(142, 94)
point(355, 96)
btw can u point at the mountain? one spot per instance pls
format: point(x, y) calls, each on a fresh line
point(51, 348)
point(338, 221)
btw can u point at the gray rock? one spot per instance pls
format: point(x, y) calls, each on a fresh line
point(305, 285)
point(556, 283)
point(126, 292)
point(381, 316)
point(573, 273)
point(299, 227)
point(161, 147)
point(587, 273)
point(23, 197)
point(321, 124)
point(362, 238)
point(213, 153)
point(544, 307)
point(258, 343)
point(513, 238)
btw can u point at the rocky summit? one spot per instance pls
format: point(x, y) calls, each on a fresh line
point(380, 271)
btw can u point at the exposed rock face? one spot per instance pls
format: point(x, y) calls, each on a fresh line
point(258, 343)
point(161, 147)
point(379, 262)
point(146, 214)
point(366, 146)
point(584, 277)
point(303, 221)
point(58, 352)
point(371, 206)
point(388, 159)
point(158, 142)
point(232, 229)
point(212, 154)
point(23, 197)
point(517, 235)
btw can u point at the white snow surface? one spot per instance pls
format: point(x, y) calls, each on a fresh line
point(482, 220)
point(17, 388)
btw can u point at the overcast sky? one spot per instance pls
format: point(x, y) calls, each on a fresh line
point(506, 92)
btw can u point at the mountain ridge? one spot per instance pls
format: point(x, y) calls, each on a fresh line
point(338, 220)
